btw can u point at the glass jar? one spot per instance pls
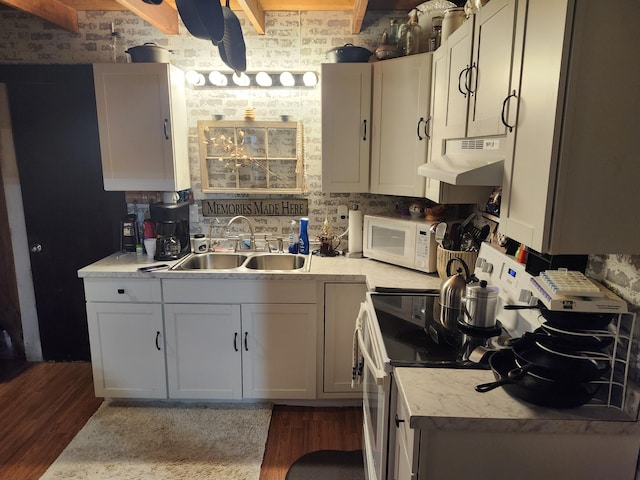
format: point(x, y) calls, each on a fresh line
point(436, 34)
point(453, 18)
point(413, 35)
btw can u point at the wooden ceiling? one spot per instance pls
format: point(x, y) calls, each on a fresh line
point(164, 17)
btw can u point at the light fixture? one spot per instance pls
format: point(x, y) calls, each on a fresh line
point(198, 79)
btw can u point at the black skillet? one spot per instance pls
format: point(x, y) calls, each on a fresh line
point(231, 47)
point(535, 389)
point(559, 363)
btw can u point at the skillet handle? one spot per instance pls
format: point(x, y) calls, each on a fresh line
point(487, 387)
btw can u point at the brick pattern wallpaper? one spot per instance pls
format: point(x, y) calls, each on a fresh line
point(293, 40)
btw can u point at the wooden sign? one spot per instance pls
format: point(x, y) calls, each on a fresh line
point(255, 207)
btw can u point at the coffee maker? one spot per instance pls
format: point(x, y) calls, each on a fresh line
point(172, 229)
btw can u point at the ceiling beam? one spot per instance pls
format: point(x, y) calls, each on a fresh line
point(254, 12)
point(53, 11)
point(163, 16)
point(359, 9)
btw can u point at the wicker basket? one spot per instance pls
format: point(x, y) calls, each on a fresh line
point(445, 255)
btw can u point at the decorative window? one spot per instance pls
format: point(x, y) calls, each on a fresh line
point(251, 157)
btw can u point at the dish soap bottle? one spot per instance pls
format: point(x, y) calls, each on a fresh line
point(303, 242)
point(293, 238)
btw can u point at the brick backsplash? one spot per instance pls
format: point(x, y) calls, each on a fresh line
point(293, 40)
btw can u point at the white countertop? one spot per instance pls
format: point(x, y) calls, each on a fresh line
point(376, 274)
point(455, 405)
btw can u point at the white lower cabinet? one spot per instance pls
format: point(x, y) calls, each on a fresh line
point(127, 350)
point(203, 351)
point(126, 337)
point(256, 345)
point(341, 304)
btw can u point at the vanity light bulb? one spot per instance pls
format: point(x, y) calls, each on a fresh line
point(264, 79)
point(242, 80)
point(310, 79)
point(287, 80)
point(194, 78)
point(218, 79)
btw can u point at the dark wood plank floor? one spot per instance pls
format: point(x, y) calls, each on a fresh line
point(44, 405)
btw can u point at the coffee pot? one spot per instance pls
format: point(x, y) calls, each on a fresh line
point(452, 292)
point(479, 305)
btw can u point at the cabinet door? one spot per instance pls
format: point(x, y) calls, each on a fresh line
point(142, 125)
point(401, 94)
point(346, 126)
point(127, 350)
point(203, 351)
point(341, 305)
point(491, 70)
point(279, 351)
point(453, 113)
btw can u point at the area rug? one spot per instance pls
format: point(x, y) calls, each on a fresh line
point(328, 464)
point(141, 441)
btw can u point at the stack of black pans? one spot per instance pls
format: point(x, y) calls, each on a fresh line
point(559, 364)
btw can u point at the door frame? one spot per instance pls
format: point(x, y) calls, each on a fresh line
point(18, 234)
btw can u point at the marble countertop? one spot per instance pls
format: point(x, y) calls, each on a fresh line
point(455, 405)
point(374, 273)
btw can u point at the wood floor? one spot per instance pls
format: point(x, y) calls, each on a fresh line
point(44, 405)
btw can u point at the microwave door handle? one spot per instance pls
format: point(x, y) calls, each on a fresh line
point(379, 374)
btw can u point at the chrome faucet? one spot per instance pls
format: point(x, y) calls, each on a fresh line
point(252, 238)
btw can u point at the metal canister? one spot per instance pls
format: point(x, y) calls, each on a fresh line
point(453, 18)
point(479, 305)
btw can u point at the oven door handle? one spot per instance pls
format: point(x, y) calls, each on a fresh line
point(378, 374)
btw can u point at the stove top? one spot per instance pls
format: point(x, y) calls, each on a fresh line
point(413, 336)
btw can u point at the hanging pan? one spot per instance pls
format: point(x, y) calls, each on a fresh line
point(203, 18)
point(232, 48)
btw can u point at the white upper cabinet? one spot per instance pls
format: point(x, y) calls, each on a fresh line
point(346, 126)
point(401, 108)
point(142, 122)
point(573, 181)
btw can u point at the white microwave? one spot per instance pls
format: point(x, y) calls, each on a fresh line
point(401, 241)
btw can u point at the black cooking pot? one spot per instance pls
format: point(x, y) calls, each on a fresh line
point(348, 53)
point(149, 52)
point(533, 388)
point(562, 319)
point(232, 48)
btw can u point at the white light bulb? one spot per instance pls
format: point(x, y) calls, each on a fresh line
point(194, 78)
point(242, 80)
point(310, 79)
point(264, 79)
point(218, 79)
point(287, 80)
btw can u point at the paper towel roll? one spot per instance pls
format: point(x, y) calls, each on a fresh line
point(355, 231)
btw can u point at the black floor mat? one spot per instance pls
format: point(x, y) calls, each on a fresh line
point(328, 464)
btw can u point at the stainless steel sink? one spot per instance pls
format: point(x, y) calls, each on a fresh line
point(211, 261)
point(276, 262)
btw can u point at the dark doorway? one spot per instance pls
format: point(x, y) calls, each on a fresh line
point(71, 221)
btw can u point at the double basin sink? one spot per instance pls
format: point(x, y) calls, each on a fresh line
point(265, 262)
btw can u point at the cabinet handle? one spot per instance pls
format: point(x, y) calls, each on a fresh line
point(463, 72)
point(504, 108)
point(166, 129)
point(121, 291)
point(364, 132)
point(246, 346)
point(398, 421)
point(426, 128)
point(418, 128)
point(235, 341)
point(467, 81)
point(158, 340)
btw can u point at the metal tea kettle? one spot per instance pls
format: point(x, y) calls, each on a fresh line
point(452, 291)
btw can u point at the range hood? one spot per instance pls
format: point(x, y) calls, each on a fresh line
point(473, 162)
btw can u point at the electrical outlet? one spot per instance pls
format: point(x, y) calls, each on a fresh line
point(193, 214)
point(343, 212)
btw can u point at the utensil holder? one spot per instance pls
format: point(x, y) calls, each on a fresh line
point(444, 255)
